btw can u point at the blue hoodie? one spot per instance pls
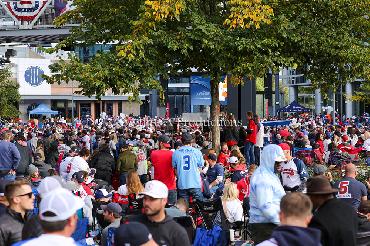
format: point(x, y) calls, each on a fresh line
point(266, 190)
point(293, 236)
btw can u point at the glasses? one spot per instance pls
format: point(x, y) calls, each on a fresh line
point(29, 194)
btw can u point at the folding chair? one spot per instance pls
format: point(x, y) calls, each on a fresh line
point(188, 223)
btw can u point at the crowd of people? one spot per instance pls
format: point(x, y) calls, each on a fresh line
point(134, 181)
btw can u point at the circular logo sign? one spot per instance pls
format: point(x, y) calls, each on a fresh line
point(32, 76)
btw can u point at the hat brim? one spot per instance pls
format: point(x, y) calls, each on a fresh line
point(280, 159)
point(322, 192)
point(152, 195)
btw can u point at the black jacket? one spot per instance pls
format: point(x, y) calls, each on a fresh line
point(337, 222)
point(104, 164)
point(11, 225)
point(26, 159)
point(32, 228)
point(2, 209)
point(52, 154)
point(168, 232)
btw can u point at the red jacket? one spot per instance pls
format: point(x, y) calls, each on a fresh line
point(224, 159)
point(252, 137)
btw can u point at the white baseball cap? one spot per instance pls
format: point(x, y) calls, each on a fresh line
point(233, 160)
point(48, 184)
point(155, 189)
point(62, 203)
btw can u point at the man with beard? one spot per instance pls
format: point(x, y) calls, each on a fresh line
point(164, 229)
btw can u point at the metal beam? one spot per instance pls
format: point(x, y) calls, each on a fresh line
point(34, 35)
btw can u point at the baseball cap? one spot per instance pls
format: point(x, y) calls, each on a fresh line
point(79, 176)
point(284, 133)
point(319, 169)
point(102, 193)
point(368, 148)
point(48, 184)
point(112, 207)
point(155, 189)
point(165, 140)
point(61, 203)
point(285, 146)
point(212, 157)
point(32, 169)
point(186, 137)
point(233, 160)
point(3, 184)
point(132, 234)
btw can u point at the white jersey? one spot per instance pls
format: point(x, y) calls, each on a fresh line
point(70, 165)
point(290, 174)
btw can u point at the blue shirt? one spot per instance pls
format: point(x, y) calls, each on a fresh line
point(213, 172)
point(9, 155)
point(350, 191)
point(187, 161)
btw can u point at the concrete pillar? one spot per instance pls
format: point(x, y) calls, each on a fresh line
point(349, 103)
point(92, 110)
point(293, 93)
point(115, 108)
point(318, 101)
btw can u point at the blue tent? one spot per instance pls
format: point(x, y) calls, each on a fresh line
point(293, 107)
point(43, 109)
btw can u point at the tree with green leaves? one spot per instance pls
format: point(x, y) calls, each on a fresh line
point(239, 38)
point(10, 97)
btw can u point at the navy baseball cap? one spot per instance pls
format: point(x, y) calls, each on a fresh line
point(79, 176)
point(132, 234)
point(102, 193)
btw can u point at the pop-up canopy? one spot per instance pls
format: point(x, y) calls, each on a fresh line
point(294, 107)
point(43, 109)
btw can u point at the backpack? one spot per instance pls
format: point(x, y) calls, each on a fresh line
point(204, 237)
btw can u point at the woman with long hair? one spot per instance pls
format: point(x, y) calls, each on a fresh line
point(231, 204)
point(128, 193)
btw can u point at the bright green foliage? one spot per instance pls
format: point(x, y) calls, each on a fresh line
point(9, 95)
point(237, 37)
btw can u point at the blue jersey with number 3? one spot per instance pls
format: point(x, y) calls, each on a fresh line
point(187, 161)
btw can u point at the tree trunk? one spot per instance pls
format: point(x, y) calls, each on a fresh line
point(215, 114)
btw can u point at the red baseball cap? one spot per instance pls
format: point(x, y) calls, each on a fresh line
point(285, 146)
point(284, 133)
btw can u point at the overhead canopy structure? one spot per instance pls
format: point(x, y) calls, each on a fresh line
point(277, 123)
point(294, 107)
point(43, 109)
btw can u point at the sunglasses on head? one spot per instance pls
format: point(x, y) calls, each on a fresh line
point(29, 194)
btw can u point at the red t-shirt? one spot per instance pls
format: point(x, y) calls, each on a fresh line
point(243, 187)
point(163, 170)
